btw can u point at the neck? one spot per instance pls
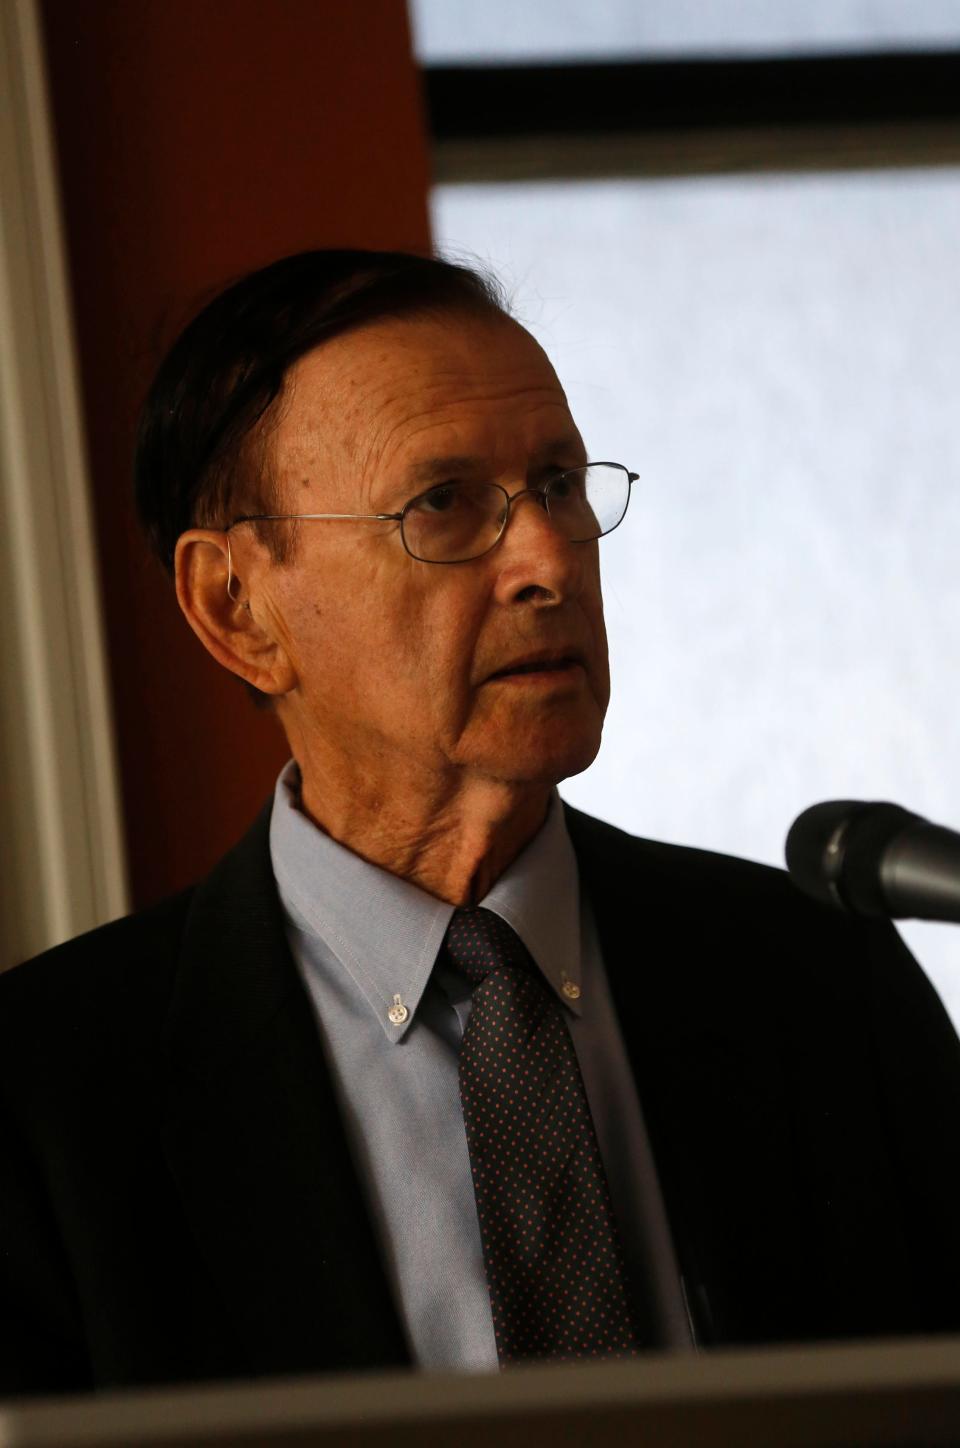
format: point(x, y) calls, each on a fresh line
point(453, 843)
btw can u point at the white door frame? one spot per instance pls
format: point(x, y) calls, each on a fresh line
point(62, 857)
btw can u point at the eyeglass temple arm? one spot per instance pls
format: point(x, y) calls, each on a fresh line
point(306, 517)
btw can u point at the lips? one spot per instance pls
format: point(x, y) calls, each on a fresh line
point(548, 662)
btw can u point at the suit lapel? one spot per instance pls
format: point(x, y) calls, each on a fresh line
point(253, 1135)
point(706, 1069)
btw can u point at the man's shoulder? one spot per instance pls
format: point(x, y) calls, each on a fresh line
point(711, 905)
point(91, 966)
point(139, 952)
point(701, 908)
point(625, 858)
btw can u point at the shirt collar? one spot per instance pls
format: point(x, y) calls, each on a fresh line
point(539, 895)
point(386, 932)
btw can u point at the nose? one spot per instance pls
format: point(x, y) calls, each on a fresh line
point(537, 494)
point(536, 562)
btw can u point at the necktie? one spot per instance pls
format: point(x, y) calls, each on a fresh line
point(551, 1250)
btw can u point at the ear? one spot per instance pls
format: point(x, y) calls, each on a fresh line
point(217, 607)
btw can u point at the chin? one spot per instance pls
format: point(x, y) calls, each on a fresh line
point(534, 742)
point(546, 761)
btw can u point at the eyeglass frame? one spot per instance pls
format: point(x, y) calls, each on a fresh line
point(511, 498)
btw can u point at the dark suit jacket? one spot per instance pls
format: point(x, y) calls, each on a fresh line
point(177, 1198)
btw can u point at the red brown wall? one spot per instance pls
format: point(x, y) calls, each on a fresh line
point(198, 139)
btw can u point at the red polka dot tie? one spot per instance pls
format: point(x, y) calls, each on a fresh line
point(551, 1250)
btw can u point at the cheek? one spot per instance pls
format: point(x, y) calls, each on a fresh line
point(592, 604)
point(602, 660)
point(435, 648)
point(369, 629)
point(331, 620)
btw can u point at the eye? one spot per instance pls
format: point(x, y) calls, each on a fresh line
point(442, 499)
point(570, 484)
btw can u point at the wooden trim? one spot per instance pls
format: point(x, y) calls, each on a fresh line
point(696, 152)
point(892, 1393)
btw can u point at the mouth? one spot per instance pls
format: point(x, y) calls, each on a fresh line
point(542, 665)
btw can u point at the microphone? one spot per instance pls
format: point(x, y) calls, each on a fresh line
point(876, 859)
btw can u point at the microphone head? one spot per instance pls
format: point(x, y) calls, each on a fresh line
point(812, 844)
point(834, 851)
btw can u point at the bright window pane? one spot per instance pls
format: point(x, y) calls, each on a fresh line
point(448, 31)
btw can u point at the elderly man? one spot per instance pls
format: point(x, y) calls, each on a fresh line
point(433, 1070)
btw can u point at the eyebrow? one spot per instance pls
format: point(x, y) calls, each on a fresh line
point(439, 470)
point(446, 469)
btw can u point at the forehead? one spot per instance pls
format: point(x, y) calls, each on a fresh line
point(393, 393)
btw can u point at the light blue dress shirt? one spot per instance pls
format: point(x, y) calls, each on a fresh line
point(366, 943)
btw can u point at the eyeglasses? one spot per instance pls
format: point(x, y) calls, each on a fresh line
point(459, 521)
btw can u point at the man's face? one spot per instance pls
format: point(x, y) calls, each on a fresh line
point(405, 667)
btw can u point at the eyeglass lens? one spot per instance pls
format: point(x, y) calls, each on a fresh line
point(459, 521)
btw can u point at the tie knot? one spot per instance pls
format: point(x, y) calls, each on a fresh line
point(479, 942)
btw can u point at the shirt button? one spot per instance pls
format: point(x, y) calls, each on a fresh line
point(398, 1012)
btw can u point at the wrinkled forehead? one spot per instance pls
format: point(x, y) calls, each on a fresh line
point(381, 401)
